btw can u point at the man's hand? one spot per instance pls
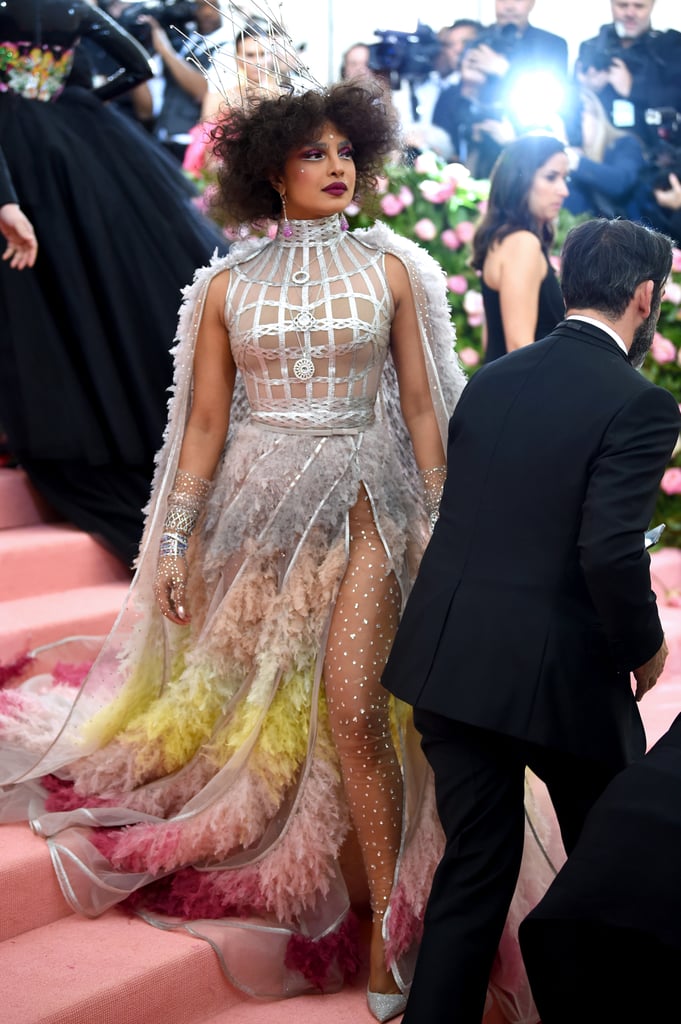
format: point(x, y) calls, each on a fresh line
point(620, 77)
point(22, 247)
point(159, 37)
point(484, 58)
point(647, 675)
point(594, 79)
point(671, 197)
point(502, 131)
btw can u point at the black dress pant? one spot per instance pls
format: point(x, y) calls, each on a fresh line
point(479, 786)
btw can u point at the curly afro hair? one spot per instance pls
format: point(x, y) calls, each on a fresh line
point(252, 145)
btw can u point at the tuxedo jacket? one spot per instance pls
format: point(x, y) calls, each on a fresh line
point(533, 601)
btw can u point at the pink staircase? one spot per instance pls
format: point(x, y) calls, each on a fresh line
point(54, 580)
point(59, 968)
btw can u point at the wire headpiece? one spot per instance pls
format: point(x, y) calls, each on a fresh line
point(271, 67)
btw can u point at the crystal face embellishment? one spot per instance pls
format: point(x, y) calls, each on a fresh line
point(303, 368)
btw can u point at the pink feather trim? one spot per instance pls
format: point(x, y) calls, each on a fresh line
point(69, 674)
point(15, 669)
point(314, 959)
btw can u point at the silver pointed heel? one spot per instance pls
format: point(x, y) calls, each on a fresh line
point(384, 1006)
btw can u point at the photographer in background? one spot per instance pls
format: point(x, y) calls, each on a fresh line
point(632, 67)
point(658, 195)
point(513, 64)
point(446, 70)
point(668, 199)
point(425, 125)
point(185, 85)
point(605, 167)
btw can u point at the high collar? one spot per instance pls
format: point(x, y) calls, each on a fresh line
point(321, 231)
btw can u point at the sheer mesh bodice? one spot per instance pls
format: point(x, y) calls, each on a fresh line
point(319, 295)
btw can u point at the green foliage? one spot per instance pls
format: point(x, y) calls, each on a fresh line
point(439, 206)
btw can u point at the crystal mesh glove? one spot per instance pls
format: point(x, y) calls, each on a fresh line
point(186, 501)
point(433, 485)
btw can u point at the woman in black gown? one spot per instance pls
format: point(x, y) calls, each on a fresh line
point(520, 292)
point(84, 346)
point(22, 246)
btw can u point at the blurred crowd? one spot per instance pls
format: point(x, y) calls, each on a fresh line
point(468, 89)
point(463, 91)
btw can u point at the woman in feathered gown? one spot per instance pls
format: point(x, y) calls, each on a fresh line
point(233, 729)
point(86, 334)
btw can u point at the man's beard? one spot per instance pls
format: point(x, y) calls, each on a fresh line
point(643, 337)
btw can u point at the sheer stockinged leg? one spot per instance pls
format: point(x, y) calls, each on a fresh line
point(362, 630)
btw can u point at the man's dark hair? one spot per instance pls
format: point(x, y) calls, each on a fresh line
point(604, 261)
point(250, 32)
point(466, 23)
point(344, 57)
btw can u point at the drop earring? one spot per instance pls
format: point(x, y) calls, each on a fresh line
point(344, 222)
point(286, 230)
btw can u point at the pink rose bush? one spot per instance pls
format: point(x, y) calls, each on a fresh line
point(438, 205)
point(663, 367)
point(446, 206)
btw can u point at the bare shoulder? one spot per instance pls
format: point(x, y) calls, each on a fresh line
point(519, 245)
point(518, 254)
point(396, 272)
point(216, 295)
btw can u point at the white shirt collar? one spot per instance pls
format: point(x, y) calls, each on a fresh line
point(604, 327)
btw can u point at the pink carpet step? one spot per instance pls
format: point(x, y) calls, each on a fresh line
point(665, 573)
point(59, 968)
point(111, 970)
point(33, 621)
point(30, 896)
point(346, 1007)
point(119, 970)
point(661, 705)
point(44, 559)
point(20, 503)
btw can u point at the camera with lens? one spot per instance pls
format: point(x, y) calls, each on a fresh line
point(409, 55)
point(664, 161)
point(474, 112)
point(600, 52)
point(667, 123)
point(168, 13)
point(503, 39)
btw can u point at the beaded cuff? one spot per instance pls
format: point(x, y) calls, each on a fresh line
point(185, 504)
point(173, 545)
point(433, 485)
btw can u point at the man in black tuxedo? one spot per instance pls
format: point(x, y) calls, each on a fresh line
point(533, 602)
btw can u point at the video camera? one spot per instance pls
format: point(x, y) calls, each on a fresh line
point(168, 13)
point(667, 122)
point(599, 53)
point(503, 39)
point(409, 55)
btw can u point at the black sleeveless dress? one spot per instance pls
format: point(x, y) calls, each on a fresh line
point(86, 334)
point(551, 312)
